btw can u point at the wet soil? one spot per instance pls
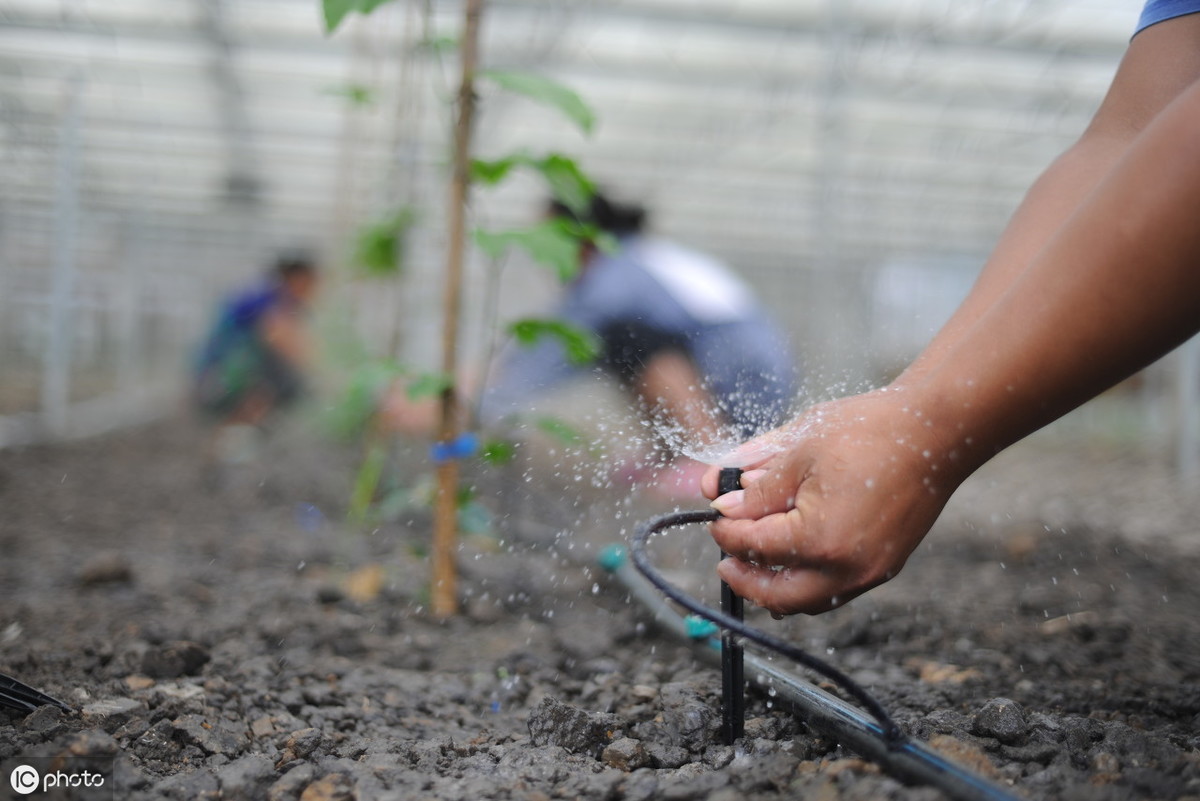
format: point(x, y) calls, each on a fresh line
point(232, 638)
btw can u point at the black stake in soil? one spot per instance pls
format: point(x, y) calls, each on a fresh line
point(733, 683)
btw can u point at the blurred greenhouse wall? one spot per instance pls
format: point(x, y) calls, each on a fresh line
point(854, 159)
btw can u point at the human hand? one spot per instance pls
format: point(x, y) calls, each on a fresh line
point(833, 502)
point(400, 414)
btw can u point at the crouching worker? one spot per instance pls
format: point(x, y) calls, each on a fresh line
point(253, 360)
point(680, 333)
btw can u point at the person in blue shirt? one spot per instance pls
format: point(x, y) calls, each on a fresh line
point(677, 329)
point(685, 337)
point(1096, 276)
point(253, 359)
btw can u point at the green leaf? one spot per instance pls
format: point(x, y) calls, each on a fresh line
point(357, 93)
point(545, 91)
point(336, 10)
point(491, 173)
point(366, 482)
point(498, 451)
point(581, 345)
point(379, 249)
point(567, 182)
point(563, 432)
point(604, 241)
point(427, 385)
point(552, 243)
point(438, 44)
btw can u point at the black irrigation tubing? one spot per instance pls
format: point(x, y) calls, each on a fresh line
point(23, 698)
point(875, 736)
point(891, 732)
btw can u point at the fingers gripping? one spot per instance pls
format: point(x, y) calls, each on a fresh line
point(784, 592)
point(766, 491)
point(775, 540)
point(761, 521)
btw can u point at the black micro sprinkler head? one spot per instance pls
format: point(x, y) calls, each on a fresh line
point(729, 479)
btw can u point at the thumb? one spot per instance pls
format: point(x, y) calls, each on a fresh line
point(767, 491)
point(750, 456)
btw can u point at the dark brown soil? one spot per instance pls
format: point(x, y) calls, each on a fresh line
point(234, 639)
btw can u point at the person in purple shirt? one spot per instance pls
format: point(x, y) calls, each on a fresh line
point(253, 359)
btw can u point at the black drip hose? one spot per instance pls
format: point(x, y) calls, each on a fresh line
point(21, 697)
point(734, 627)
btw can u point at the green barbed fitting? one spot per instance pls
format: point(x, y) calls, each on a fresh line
point(700, 629)
point(612, 557)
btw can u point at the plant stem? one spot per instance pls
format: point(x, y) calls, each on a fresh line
point(444, 595)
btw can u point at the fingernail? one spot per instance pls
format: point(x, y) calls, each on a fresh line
point(729, 502)
point(750, 476)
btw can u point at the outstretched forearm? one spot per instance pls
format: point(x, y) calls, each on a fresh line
point(1115, 288)
point(1045, 208)
point(1161, 64)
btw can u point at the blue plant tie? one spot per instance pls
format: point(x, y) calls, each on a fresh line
point(462, 447)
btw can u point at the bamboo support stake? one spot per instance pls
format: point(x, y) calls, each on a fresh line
point(444, 590)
